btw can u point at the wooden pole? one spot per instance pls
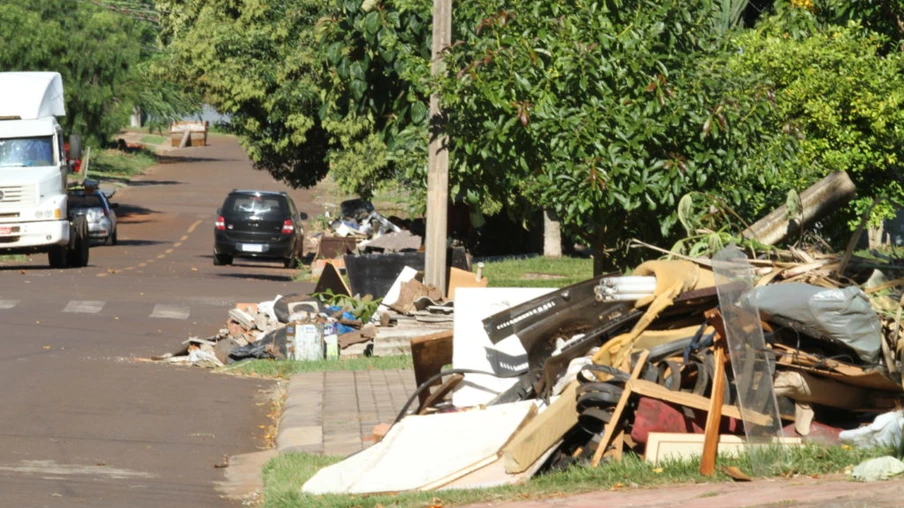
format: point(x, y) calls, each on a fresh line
point(438, 158)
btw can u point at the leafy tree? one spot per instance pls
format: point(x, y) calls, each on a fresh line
point(607, 113)
point(257, 62)
point(840, 93)
point(376, 93)
point(100, 54)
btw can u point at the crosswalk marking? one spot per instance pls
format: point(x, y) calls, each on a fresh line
point(160, 310)
point(170, 311)
point(85, 306)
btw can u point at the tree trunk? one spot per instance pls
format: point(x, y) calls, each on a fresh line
point(598, 247)
point(552, 235)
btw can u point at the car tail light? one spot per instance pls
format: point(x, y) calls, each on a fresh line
point(287, 227)
point(220, 223)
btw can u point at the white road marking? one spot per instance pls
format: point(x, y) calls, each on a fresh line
point(170, 311)
point(84, 306)
point(49, 467)
point(8, 304)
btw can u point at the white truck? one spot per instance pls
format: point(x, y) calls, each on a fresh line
point(34, 170)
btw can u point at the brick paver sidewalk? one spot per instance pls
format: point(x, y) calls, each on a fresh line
point(334, 413)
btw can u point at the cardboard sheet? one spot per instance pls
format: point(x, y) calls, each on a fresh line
point(421, 451)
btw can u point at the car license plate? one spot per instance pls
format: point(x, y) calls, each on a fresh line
point(5, 230)
point(252, 247)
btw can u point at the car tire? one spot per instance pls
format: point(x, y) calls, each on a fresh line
point(221, 259)
point(290, 262)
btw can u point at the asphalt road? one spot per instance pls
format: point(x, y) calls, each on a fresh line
point(86, 421)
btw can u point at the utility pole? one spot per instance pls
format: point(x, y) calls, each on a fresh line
point(438, 158)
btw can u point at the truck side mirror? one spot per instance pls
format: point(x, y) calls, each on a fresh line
point(75, 148)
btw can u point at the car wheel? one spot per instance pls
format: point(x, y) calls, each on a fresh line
point(114, 239)
point(221, 259)
point(290, 262)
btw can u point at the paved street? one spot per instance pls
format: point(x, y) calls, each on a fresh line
point(85, 421)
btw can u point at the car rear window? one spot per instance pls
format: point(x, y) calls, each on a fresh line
point(89, 201)
point(254, 205)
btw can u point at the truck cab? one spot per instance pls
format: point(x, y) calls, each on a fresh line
point(34, 171)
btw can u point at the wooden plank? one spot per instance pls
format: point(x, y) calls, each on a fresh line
point(541, 433)
point(429, 353)
point(691, 400)
point(619, 409)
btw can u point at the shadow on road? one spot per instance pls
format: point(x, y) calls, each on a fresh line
point(147, 183)
point(126, 211)
point(174, 159)
point(135, 243)
point(25, 268)
point(256, 276)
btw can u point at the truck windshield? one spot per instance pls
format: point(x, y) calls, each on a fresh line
point(26, 152)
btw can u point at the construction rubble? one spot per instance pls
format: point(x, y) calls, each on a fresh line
point(689, 357)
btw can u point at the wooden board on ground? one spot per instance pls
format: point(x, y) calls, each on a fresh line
point(674, 446)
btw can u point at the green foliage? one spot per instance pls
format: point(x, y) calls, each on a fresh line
point(257, 62)
point(376, 95)
point(840, 94)
point(606, 113)
point(362, 308)
point(710, 225)
point(101, 55)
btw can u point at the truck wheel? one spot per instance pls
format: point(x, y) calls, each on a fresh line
point(79, 243)
point(57, 256)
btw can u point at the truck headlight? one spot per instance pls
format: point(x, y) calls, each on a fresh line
point(53, 213)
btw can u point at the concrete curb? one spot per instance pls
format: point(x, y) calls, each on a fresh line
point(301, 423)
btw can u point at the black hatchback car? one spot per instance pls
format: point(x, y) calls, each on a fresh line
point(258, 224)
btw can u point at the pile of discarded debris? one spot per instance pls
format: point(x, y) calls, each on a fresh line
point(330, 321)
point(679, 357)
point(360, 229)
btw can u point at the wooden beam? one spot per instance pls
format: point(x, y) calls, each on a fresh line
point(692, 400)
point(619, 409)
